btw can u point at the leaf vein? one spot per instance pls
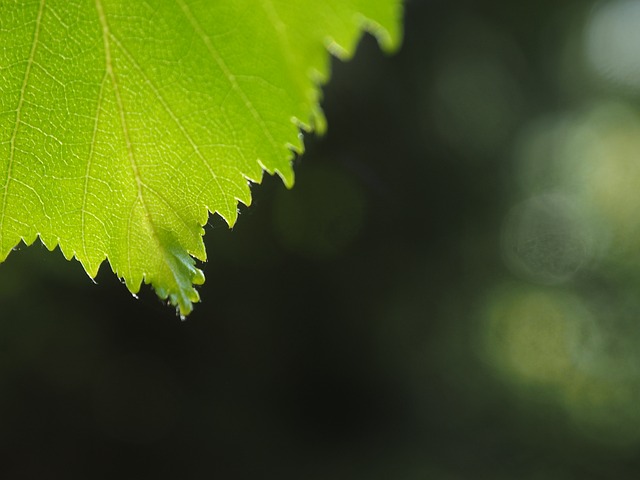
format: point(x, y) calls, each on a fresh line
point(127, 136)
point(174, 118)
point(87, 176)
point(231, 78)
point(14, 135)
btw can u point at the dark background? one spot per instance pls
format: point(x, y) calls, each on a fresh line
point(449, 292)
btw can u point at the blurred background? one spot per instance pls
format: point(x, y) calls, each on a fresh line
point(450, 292)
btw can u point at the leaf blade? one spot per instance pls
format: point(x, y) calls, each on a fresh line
point(132, 122)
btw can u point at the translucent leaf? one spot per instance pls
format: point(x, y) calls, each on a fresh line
point(123, 124)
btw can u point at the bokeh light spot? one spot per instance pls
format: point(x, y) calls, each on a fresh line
point(613, 41)
point(528, 334)
point(475, 101)
point(546, 240)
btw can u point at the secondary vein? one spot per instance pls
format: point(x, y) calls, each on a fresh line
point(110, 72)
point(233, 81)
point(87, 175)
point(125, 130)
point(14, 135)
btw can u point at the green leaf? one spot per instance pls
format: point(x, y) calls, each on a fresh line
point(124, 123)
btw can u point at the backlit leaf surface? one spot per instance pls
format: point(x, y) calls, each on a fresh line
point(124, 123)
